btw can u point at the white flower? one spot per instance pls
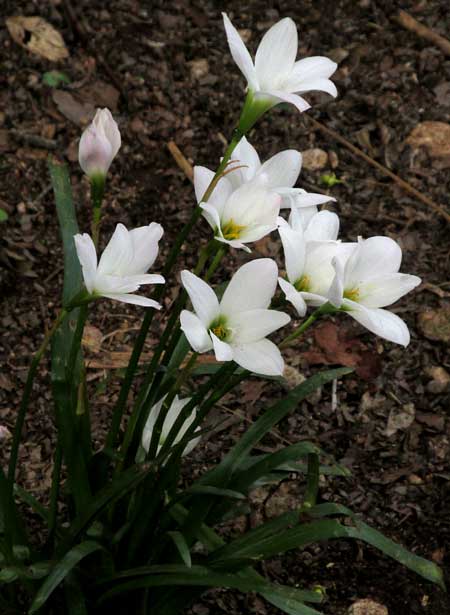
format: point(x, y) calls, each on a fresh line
point(367, 280)
point(243, 215)
point(281, 173)
point(172, 415)
point(123, 264)
point(309, 244)
point(275, 75)
point(236, 328)
point(99, 144)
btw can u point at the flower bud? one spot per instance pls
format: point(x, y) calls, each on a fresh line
point(99, 144)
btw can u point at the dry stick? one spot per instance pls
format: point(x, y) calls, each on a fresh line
point(398, 180)
point(181, 161)
point(411, 24)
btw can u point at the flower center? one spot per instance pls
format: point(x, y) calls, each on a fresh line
point(231, 230)
point(219, 328)
point(352, 294)
point(303, 283)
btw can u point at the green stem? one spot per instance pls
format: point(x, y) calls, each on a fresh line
point(76, 340)
point(54, 495)
point(171, 259)
point(327, 308)
point(312, 481)
point(97, 192)
point(26, 397)
point(216, 261)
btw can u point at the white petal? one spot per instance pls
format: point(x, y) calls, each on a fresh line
point(195, 332)
point(336, 292)
point(146, 278)
point(253, 325)
point(313, 67)
point(222, 190)
point(318, 265)
point(324, 226)
point(373, 257)
point(318, 85)
point(240, 53)
point(310, 199)
point(257, 232)
point(118, 254)
point(88, 259)
point(262, 357)
point(134, 299)
point(281, 96)
point(202, 178)
point(253, 204)
point(145, 247)
point(386, 289)
point(212, 216)
point(222, 350)
point(276, 54)
point(294, 248)
point(283, 169)
point(245, 156)
point(234, 243)
point(111, 130)
point(202, 296)
point(252, 287)
point(293, 296)
point(381, 322)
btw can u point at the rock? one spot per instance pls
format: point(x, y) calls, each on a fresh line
point(434, 137)
point(435, 324)
point(367, 607)
point(439, 447)
point(199, 68)
point(440, 380)
point(333, 159)
point(400, 418)
point(314, 159)
point(413, 479)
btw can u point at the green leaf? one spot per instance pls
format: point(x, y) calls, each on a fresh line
point(215, 491)
point(3, 215)
point(182, 547)
point(32, 502)
point(291, 606)
point(61, 570)
point(54, 78)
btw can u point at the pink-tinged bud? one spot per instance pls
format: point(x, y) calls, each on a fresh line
point(99, 144)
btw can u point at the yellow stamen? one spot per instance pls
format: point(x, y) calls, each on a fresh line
point(220, 331)
point(303, 283)
point(231, 230)
point(352, 294)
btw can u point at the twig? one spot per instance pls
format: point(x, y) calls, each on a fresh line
point(181, 161)
point(34, 140)
point(398, 180)
point(411, 24)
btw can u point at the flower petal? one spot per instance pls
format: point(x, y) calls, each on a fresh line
point(253, 325)
point(195, 331)
point(262, 357)
point(318, 85)
point(381, 322)
point(222, 350)
point(336, 292)
point(202, 296)
point(87, 256)
point(118, 254)
point(202, 179)
point(386, 289)
point(281, 96)
point(145, 241)
point(276, 54)
point(294, 247)
point(252, 287)
point(312, 68)
point(246, 157)
point(293, 296)
point(212, 216)
point(283, 169)
point(240, 53)
point(134, 299)
point(372, 257)
point(324, 226)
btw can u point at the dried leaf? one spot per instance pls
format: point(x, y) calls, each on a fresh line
point(92, 338)
point(77, 111)
point(400, 418)
point(38, 36)
point(434, 136)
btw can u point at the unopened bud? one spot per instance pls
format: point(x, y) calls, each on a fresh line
point(99, 144)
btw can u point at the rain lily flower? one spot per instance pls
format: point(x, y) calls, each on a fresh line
point(123, 264)
point(281, 173)
point(244, 215)
point(368, 280)
point(275, 76)
point(237, 326)
point(99, 145)
point(309, 244)
point(172, 415)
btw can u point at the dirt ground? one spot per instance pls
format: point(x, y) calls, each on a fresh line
point(165, 71)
